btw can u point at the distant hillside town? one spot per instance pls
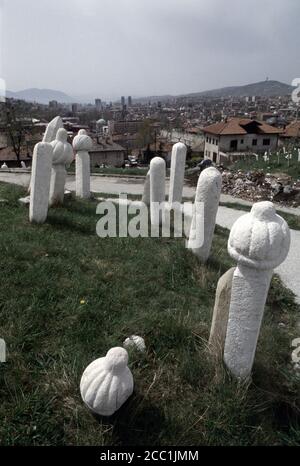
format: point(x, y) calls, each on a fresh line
point(218, 125)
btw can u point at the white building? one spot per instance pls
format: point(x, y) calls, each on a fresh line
point(238, 135)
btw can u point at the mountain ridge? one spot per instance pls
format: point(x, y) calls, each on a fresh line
point(268, 88)
point(42, 96)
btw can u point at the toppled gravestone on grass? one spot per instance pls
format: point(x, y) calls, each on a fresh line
point(107, 383)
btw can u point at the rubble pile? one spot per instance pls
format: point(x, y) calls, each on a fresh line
point(258, 186)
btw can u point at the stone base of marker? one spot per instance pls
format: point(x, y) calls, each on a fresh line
point(220, 314)
point(57, 186)
point(82, 161)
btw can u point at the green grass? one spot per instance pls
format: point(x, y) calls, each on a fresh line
point(150, 287)
point(291, 168)
point(292, 220)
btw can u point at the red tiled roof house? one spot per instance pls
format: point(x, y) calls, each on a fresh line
point(239, 135)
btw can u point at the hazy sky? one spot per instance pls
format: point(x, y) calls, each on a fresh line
point(147, 47)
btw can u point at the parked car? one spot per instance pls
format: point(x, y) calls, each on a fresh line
point(205, 163)
point(131, 162)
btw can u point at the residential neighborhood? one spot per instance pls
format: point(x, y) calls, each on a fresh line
point(216, 128)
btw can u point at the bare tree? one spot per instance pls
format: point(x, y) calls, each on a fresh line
point(17, 128)
point(146, 134)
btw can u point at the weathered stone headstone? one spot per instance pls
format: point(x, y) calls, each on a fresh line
point(52, 128)
point(107, 383)
point(40, 182)
point(62, 156)
point(50, 135)
point(259, 241)
point(207, 196)
point(178, 159)
point(82, 143)
point(157, 189)
point(220, 314)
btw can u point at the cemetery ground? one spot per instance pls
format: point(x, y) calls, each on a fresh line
point(273, 165)
point(68, 296)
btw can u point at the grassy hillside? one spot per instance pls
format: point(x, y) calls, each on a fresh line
point(68, 296)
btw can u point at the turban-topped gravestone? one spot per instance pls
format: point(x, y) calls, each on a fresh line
point(107, 383)
point(82, 143)
point(259, 242)
point(62, 156)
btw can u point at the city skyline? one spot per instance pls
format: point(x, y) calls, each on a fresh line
point(109, 49)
